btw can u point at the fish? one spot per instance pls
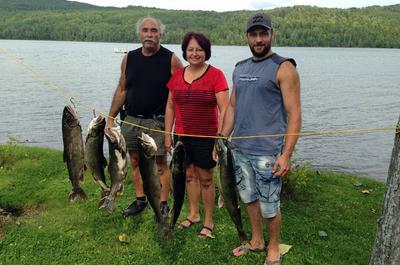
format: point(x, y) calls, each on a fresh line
point(227, 185)
point(73, 154)
point(178, 174)
point(117, 167)
point(220, 201)
point(95, 161)
point(148, 169)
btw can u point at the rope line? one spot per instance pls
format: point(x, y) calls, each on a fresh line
point(74, 100)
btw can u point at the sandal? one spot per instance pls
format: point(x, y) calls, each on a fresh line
point(182, 226)
point(245, 248)
point(205, 235)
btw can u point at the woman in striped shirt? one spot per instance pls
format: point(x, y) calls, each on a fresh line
point(198, 97)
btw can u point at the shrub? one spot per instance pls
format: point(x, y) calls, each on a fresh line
point(297, 179)
point(7, 154)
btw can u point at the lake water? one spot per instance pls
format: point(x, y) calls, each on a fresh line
point(342, 89)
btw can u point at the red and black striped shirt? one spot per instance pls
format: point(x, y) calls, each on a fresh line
point(195, 104)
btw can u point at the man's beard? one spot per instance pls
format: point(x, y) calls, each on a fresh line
point(261, 54)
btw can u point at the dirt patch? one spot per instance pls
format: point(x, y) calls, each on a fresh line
point(9, 216)
point(30, 212)
point(5, 219)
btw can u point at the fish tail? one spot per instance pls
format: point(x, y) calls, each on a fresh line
point(75, 193)
point(108, 203)
point(164, 230)
point(169, 234)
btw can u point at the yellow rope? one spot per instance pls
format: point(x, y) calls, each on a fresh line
point(89, 107)
point(317, 133)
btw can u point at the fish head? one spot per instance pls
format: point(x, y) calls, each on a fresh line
point(70, 117)
point(96, 126)
point(148, 144)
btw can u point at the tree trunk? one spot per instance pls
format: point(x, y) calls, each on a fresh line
point(386, 250)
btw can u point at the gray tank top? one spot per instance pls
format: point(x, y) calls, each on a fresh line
point(259, 108)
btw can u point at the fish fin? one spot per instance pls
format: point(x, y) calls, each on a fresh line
point(220, 201)
point(121, 190)
point(75, 193)
point(103, 185)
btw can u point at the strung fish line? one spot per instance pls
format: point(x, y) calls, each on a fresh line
point(89, 107)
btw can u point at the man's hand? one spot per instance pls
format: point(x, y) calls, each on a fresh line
point(281, 166)
point(109, 124)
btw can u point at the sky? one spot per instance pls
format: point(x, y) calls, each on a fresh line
point(231, 5)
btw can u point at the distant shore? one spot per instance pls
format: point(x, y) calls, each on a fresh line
point(298, 26)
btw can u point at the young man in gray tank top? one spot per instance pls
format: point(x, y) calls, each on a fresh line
point(265, 100)
point(143, 105)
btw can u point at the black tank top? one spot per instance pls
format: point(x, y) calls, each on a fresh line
point(146, 81)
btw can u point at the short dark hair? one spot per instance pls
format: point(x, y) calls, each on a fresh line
point(204, 43)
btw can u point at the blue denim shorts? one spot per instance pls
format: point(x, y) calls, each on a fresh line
point(255, 181)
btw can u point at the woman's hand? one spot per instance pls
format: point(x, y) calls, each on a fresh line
point(168, 143)
point(214, 154)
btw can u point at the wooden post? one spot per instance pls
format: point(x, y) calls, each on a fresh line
point(386, 250)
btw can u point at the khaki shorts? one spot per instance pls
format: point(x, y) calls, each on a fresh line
point(131, 132)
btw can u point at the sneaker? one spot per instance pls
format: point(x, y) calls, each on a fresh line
point(164, 211)
point(136, 207)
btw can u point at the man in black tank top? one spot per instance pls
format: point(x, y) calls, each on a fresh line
point(142, 91)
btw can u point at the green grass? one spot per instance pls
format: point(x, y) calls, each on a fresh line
point(56, 232)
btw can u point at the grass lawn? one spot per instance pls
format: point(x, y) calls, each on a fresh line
point(46, 229)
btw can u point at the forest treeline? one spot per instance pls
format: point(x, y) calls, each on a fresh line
point(373, 26)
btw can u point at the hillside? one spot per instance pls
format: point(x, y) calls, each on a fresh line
point(43, 5)
point(373, 26)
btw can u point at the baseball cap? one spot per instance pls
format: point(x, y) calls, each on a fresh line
point(259, 19)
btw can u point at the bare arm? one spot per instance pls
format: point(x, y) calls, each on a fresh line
point(175, 63)
point(289, 82)
point(169, 108)
point(229, 117)
point(222, 102)
point(119, 96)
point(169, 122)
